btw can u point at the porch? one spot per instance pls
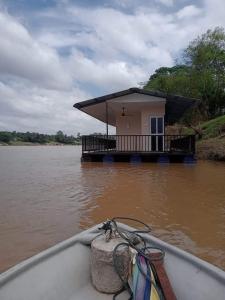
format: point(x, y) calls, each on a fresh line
point(140, 118)
point(154, 147)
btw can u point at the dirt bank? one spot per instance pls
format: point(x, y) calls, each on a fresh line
point(212, 149)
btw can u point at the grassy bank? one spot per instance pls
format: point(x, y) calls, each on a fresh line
point(212, 144)
point(213, 128)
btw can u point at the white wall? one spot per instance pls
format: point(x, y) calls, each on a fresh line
point(137, 124)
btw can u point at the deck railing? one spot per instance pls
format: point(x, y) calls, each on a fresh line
point(139, 143)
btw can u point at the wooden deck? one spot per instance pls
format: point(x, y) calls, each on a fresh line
point(138, 149)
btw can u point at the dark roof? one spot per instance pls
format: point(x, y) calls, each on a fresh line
point(104, 98)
point(175, 105)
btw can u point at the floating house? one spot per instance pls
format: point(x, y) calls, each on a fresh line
point(140, 118)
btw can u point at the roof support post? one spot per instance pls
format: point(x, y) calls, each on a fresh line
point(107, 125)
point(107, 119)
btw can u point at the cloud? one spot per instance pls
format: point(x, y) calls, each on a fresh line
point(109, 52)
point(214, 14)
point(109, 76)
point(167, 2)
point(189, 11)
point(56, 56)
point(22, 56)
point(26, 107)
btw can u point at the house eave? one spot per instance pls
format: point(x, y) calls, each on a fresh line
point(104, 98)
point(175, 105)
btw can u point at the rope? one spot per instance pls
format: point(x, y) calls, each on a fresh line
point(132, 239)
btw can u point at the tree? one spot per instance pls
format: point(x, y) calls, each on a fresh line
point(206, 57)
point(60, 137)
point(5, 136)
point(201, 76)
point(34, 137)
point(174, 80)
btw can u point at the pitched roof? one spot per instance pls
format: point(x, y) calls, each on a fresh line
point(175, 105)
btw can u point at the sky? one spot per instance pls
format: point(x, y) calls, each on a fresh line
point(56, 53)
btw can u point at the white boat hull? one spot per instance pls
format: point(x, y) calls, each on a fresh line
point(63, 273)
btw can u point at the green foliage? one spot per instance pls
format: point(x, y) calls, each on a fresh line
point(62, 138)
point(34, 137)
point(5, 136)
point(175, 80)
point(211, 128)
point(202, 75)
point(206, 56)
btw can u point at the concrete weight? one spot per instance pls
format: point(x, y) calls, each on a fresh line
point(104, 277)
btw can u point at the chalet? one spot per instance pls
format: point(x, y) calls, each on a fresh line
point(140, 118)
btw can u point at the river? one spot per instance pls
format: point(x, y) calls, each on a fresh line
point(47, 195)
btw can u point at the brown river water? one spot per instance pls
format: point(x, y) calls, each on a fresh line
point(47, 195)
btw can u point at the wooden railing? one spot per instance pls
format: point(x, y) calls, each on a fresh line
point(139, 143)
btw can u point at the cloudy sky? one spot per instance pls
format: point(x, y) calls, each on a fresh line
point(55, 53)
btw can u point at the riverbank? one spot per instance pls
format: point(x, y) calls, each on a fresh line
point(18, 143)
point(13, 138)
point(210, 140)
point(211, 146)
point(211, 149)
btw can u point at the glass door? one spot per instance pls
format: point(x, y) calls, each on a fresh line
point(157, 132)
